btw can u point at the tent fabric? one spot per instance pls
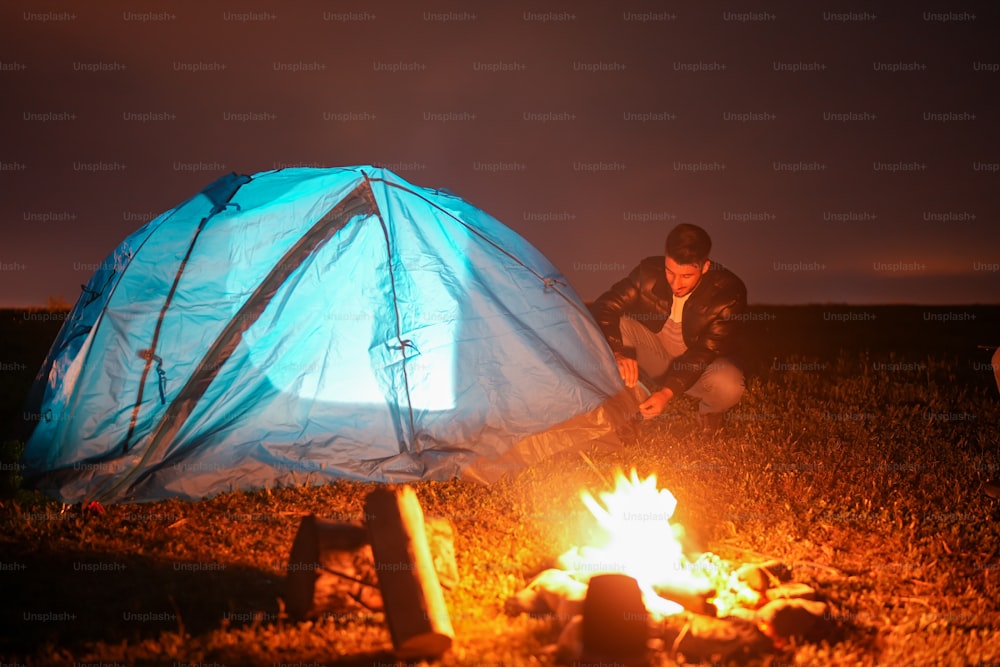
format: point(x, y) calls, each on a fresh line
point(303, 325)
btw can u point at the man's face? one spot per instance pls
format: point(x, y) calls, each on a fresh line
point(683, 278)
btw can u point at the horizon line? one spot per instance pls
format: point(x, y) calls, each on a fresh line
point(809, 304)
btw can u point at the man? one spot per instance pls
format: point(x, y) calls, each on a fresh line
point(673, 321)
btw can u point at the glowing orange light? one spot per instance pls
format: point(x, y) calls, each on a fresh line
point(641, 541)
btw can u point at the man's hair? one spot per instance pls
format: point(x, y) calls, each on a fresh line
point(688, 244)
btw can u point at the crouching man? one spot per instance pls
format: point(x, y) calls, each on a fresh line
point(673, 323)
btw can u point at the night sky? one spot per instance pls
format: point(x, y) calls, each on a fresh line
point(835, 155)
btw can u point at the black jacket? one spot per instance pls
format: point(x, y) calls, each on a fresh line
point(711, 317)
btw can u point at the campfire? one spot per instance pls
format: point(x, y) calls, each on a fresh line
point(636, 588)
point(633, 592)
point(642, 543)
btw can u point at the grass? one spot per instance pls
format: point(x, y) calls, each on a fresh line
point(857, 456)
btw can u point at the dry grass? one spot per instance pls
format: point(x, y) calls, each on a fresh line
point(860, 475)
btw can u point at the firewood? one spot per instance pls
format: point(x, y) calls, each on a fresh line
point(615, 622)
point(414, 602)
point(330, 569)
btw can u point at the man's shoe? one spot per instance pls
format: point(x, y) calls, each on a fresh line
point(709, 423)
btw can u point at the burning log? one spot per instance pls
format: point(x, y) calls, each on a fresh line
point(414, 602)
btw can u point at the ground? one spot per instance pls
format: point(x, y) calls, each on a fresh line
point(858, 457)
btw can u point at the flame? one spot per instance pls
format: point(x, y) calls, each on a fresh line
point(640, 541)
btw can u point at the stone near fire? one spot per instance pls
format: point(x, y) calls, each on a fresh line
point(804, 619)
point(694, 601)
point(791, 591)
point(441, 538)
point(568, 609)
point(698, 638)
point(569, 648)
point(762, 576)
point(546, 593)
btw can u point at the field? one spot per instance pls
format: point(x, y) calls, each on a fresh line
point(858, 456)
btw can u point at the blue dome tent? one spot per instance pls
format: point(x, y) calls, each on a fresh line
point(303, 325)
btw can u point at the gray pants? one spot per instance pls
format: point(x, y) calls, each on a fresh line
point(719, 387)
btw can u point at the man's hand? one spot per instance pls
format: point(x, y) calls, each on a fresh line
point(628, 369)
point(655, 404)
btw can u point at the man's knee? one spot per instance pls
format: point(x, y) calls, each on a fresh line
point(724, 386)
point(649, 353)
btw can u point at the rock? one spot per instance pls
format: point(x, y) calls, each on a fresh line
point(700, 638)
point(570, 645)
point(545, 593)
point(791, 591)
point(569, 608)
point(696, 601)
point(804, 619)
point(762, 576)
point(441, 538)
